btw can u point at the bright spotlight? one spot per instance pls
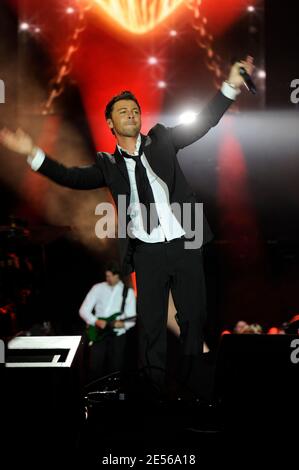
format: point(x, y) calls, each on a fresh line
point(152, 60)
point(261, 74)
point(250, 8)
point(24, 26)
point(187, 117)
point(161, 84)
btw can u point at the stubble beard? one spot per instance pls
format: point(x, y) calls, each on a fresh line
point(130, 131)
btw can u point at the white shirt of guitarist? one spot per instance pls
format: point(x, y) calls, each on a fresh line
point(105, 300)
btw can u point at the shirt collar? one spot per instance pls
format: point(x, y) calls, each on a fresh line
point(118, 284)
point(138, 143)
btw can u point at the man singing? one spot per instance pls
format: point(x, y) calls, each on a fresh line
point(144, 169)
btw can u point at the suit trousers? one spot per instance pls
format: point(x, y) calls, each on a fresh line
point(161, 267)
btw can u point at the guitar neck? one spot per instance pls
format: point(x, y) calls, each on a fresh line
point(115, 317)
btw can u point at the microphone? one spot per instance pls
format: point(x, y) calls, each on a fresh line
point(248, 81)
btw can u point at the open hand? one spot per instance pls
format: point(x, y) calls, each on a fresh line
point(18, 141)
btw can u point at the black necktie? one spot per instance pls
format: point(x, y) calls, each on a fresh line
point(145, 193)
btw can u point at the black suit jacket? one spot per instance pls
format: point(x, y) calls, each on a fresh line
point(161, 145)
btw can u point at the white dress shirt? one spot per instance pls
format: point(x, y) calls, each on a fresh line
point(105, 300)
point(169, 227)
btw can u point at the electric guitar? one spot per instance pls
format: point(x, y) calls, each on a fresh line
point(95, 334)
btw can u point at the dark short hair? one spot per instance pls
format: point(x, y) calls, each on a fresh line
point(113, 267)
point(123, 95)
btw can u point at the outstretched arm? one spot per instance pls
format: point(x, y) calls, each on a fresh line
point(85, 177)
point(185, 134)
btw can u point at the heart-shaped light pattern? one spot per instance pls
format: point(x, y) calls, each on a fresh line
point(138, 16)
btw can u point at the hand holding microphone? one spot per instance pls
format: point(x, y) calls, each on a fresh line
point(240, 73)
point(248, 80)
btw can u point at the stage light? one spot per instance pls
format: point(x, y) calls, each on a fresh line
point(187, 117)
point(261, 74)
point(137, 16)
point(250, 9)
point(70, 10)
point(161, 84)
point(173, 33)
point(226, 332)
point(152, 60)
point(24, 26)
point(37, 30)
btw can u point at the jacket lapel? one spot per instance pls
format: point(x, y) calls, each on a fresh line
point(158, 163)
point(121, 165)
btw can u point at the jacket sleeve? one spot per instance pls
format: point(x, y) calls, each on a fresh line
point(185, 134)
point(82, 177)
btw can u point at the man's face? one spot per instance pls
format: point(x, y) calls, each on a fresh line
point(111, 278)
point(240, 327)
point(125, 119)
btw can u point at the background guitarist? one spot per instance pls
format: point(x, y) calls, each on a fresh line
point(104, 299)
